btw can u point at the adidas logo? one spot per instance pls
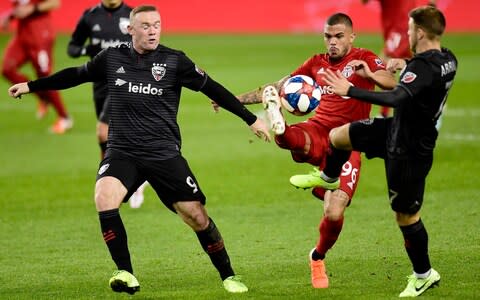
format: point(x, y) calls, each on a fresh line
point(321, 71)
point(96, 27)
point(120, 70)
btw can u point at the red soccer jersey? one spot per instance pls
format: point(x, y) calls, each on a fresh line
point(37, 26)
point(395, 27)
point(334, 110)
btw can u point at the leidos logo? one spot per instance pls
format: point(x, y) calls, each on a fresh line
point(140, 88)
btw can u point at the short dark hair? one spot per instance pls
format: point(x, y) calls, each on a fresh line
point(141, 8)
point(430, 19)
point(340, 18)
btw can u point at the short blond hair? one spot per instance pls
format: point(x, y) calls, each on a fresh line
point(140, 9)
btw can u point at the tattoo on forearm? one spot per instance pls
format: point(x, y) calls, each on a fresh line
point(252, 97)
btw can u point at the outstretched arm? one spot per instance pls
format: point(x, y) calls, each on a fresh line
point(60, 80)
point(341, 86)
point(228, 101)
point(255, 96)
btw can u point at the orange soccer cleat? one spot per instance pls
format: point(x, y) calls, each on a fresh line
point(318, 273)
point(61, 125)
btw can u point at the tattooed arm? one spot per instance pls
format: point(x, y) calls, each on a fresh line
point(255, 96)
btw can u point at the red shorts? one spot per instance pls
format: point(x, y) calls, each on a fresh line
point(319, 147)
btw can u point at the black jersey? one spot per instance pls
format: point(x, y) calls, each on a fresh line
point(100, 28)
point(144, 98)
point(427, 78)
point(103, 28)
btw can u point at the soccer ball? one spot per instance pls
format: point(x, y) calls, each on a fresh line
point(300, 95)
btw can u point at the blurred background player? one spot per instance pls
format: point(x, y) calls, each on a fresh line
point(308, 141)
point(33, 42)
point(101, 26)
point(394, 21)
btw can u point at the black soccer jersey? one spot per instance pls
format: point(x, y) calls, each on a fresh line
point(100, 28)
point(103, 27)
point(144, 98)
point(427, 78)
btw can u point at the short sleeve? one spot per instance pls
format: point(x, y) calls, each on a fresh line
point(374, 62)
point(305, 68)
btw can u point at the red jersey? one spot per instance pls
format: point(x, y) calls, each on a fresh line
point(335, 110)
point(37, 26)
point(395, 27)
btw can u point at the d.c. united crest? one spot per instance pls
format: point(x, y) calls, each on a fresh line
point(158, 71)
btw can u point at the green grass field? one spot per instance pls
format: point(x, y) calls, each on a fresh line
point(50, 242)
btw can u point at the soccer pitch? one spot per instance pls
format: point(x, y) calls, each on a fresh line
point(50, 241)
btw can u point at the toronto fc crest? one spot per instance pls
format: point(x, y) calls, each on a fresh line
point(158, 71)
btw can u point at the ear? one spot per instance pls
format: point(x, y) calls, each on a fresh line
point(352, 37)
point(420, 33)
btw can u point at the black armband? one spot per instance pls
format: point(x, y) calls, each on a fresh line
point(227, 100)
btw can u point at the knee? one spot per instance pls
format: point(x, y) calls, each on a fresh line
point(405, 219)
point(199, 220)
point(109, 193)
point(102, 197)
point(335, 204)
point(340, 138)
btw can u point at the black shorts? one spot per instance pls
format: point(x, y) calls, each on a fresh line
point(171, 179)
point(370, 136)
point(406, 183)
point(405, 176)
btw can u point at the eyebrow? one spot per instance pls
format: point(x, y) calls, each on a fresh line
point(338, 35)
point(146, 23)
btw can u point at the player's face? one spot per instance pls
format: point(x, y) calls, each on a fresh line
point(338, 40)
point(145, 31)
point(112, 3)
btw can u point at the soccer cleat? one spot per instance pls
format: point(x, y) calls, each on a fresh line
point(271, 104)
point(318, 273)
point(123, 281)
point(137, 198)
point(313, 179)
point(233, 284)
point(416, 286)
point(61, 125)
point(42, 109)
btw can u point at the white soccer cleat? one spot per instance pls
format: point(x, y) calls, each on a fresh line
point(136, 200)
point(271, 104)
